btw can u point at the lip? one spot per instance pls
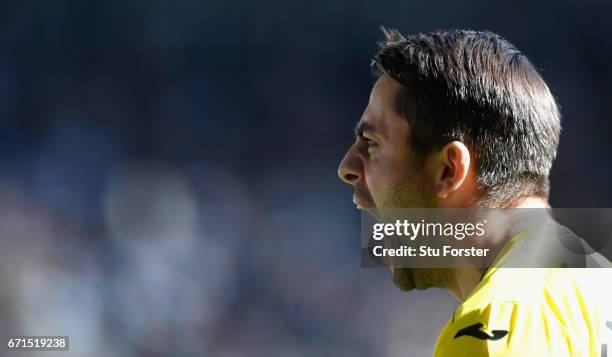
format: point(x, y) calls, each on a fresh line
point(358, 202)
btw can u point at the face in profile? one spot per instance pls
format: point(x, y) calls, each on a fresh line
point(386, 174)
point(380, 166)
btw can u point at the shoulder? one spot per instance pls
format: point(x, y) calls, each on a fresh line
point(530, 312)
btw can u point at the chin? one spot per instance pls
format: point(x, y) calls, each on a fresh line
point(402, 278)
point(407, 279)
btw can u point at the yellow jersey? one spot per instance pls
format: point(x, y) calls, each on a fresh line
point(534, 311)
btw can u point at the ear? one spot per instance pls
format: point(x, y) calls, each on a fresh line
point(452, 168)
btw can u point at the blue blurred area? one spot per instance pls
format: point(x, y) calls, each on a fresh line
point(168, 169)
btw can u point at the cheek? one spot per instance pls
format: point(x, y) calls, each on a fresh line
point(396, 182)
point(397, 171)
point(383, 176)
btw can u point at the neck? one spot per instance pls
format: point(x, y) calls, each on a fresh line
point(463, 280)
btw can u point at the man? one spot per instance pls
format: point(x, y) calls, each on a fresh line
point(461, 119)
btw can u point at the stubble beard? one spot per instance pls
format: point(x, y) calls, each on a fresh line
point(411, 195)
point(407, 279)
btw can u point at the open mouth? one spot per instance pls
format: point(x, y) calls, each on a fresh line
point(356, 202)
point(361, 203)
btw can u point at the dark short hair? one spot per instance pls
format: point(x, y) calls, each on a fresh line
point(476, 87)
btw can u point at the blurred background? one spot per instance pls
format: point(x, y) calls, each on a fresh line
point(168, 169)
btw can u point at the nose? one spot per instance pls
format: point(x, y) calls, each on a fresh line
point(351, 167)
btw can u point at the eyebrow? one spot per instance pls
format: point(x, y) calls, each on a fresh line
point(362, 127)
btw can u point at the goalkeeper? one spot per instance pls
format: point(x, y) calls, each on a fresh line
point(462, 119)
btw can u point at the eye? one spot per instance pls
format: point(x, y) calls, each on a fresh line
point(369, 143)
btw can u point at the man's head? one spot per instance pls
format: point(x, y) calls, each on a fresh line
point(456, 119)
point(474, 88)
